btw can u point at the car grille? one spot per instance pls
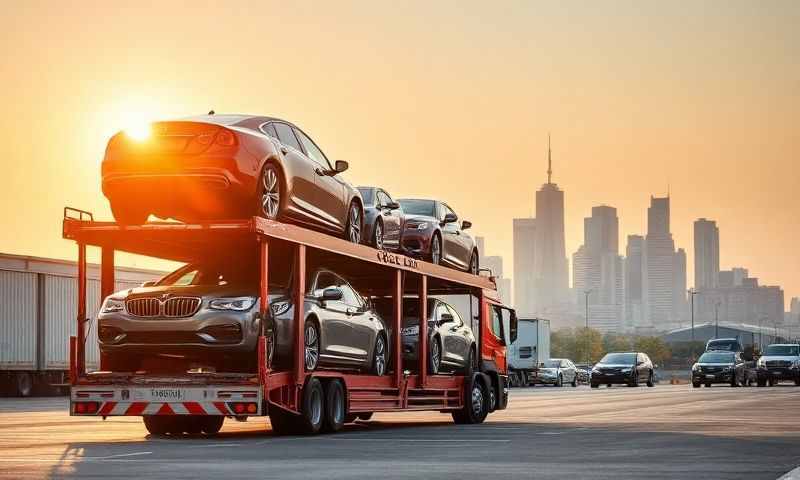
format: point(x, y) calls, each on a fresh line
point(614, 371)
point(778, 363)
point(153, 307)
point(710, 369)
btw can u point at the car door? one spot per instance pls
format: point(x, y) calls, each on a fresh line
point(333, 319)
point(457, 337)
point(330, 189)
point(391, 219)
point(568, 371)
point(452, 249)
point(302, 187)
point(362, 324)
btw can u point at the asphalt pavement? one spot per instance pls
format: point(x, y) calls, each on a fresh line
point(670, 431)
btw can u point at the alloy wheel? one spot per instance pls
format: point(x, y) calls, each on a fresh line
point(271, 194)
point(354, 224)
point(436, 250)
point(436, 356)
point(477, 400)
point(312, 347)
point(379, 362)
point(379, 236)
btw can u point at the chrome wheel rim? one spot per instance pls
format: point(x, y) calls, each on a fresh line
point(378, 236)
point(435, 356)
point(270, 196)
point(380, 357)
point(477, 400)
point(338, 409)
point(354, 225)
point(436, 251)
point(316, 407)
point(312, 347)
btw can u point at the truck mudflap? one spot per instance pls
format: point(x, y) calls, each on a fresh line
point(107, 401)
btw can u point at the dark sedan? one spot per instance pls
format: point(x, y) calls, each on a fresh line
point(451, 343)
point(718, 366)
point(433, 232)
point(215, 167)
point(383, 218)
point(628, 368)
point(205, 315)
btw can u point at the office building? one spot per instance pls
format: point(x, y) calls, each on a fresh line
point(706, 254)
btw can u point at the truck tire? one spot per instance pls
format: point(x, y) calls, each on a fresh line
point(475, 408)
point(335, 406)
point(158, 425)
point(212, 424)
point(313, 407)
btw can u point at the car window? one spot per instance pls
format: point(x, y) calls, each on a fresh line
point(313, 152)
point(325, 280)
point(496, 321)
point(445, 211)
point(366, 195)
point(456, 316)
point(351, 298)
point(286, 136)
point(269, 130)
point(383, 199)
point(419, 207)
point(440, 310)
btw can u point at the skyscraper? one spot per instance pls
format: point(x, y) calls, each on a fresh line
point(550, 266)
point(633, 280)
point(664, 269)
point(495, 264)
point(524, 243)
point(706, 254)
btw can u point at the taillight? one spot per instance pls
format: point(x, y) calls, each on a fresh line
point(244, 407)
point(86, 407)
point(225, 138)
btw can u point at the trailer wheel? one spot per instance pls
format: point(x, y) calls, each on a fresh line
point(157, 425)
point(475, 401)
point(313, 411)
point(212, 424)
point(24, 384)
point(335, 406)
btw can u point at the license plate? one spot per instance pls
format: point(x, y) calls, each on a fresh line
point(168, 394)
point(709, 376)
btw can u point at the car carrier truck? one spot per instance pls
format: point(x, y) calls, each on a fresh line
point(531, 348)
point(296, 401)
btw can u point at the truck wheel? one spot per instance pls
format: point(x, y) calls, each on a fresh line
point(335, 406)
point(157, 425)
point(24, 384)
point(212, 424)
point(313, 411)
point(475, 402)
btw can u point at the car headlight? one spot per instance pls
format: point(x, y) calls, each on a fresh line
point(113, 305)
point(410, 330)
point(238, 304)
point(595, 370)
point(696, 367)
point(626, 370)
point(417, 226)
point(727, 369)
point(761, 363)
point(796, 364)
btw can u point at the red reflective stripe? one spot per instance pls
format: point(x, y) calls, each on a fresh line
point(194, 408)
point(107, 407)
point(223, 409)
point(136, 408)
point(165, 410)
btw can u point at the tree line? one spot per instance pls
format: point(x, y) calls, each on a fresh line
point(587, 345)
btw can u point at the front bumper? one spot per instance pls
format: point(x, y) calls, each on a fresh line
point(778, 374)
point(610, 378)
point(416, 243)
point(708, 378)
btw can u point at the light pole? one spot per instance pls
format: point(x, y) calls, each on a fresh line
point(588, 342)
point(692, 293)
point(716, 319)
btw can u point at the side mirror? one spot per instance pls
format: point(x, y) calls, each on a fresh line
point(392, 206)
point(465, 224)
point(332, 294)
point(151, 283)
point(450, 218)
point(340, 166)
point(446, 318)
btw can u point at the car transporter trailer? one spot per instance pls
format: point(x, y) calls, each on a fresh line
point(296, 401)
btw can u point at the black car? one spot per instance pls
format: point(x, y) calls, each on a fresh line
point(383, 219)
point(628, 368)
point(451, 343)
point(718, 366)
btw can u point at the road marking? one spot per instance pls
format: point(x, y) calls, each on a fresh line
point(134, 454)
point(421, 440)
point(219, 445)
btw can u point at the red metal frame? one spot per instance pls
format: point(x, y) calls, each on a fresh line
point(366, 393)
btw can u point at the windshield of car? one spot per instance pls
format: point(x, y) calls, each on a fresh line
point(619, 358)
point(728, 345)
point(419, 207)
point(716, 357)
point(213, 273)
point(783, 350)
point(551, 363)
point(367, 195)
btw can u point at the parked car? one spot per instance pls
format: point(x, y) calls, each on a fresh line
point(451, 342)
point(584, 372)
point(213, 167)
point(383, 219)
point(556, 372)
point(781, 361)
point(629, 368)
point(718, 366)
point(433, 232)
point(205, 315)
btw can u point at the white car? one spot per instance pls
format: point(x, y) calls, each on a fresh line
point(780, 361)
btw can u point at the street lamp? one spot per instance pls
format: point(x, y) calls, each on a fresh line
point(716, 319)
point(588, 342)
point(692, 293)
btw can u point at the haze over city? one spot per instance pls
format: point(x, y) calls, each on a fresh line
point(448, 100)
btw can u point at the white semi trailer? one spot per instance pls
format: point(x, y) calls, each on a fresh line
point(531, 348)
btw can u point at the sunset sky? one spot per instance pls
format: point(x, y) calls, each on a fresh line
point(443, 99)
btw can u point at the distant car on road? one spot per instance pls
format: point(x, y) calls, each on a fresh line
point(433, 232)
point(584, 372)
point(557, 372)
point(629, 368)
point(779, 362)
point(383, 219)
point(718, 366)
point(214, 167)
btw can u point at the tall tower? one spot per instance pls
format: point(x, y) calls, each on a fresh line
point(706, 254)
point(524, 247)
point(664, 269)
point(550, 267)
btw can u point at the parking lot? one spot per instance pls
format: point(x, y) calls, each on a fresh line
point(670, 431)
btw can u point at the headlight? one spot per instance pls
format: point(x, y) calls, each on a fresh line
point(410, 330)
point(238, 304)
point(113, 305)
point(595, 370)
point(417, 226)
point(796, 364)
point(761, 363)
point(696, 367)
point(727, 369)
point(626, 369)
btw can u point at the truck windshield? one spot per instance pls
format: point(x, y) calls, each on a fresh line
point(727, 345)
point(716, 357)
point(419, 207)
point(783, 350)
point(619, 358)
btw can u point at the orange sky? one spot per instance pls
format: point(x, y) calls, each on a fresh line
point(448, 99)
